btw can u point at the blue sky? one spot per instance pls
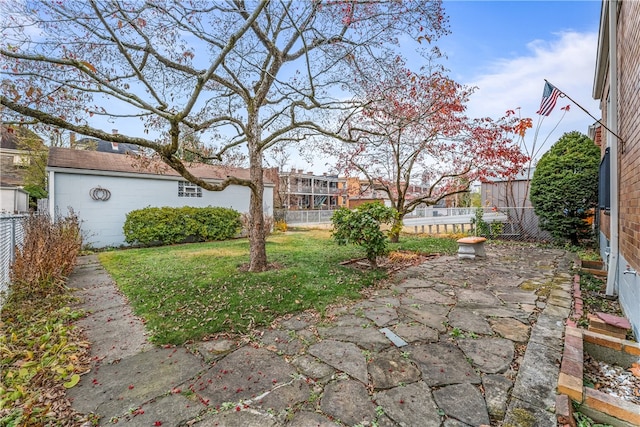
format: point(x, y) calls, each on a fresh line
point(508, 48)
point(486, 32)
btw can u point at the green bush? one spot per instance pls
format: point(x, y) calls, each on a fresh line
point(485, 229)
point(165, 226)
point(361, 227)
point(564, 188)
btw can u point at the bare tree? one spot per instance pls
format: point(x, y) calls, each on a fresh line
point(246, 74)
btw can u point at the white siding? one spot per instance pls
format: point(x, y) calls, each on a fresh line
point(14, 200)
point(102, 221)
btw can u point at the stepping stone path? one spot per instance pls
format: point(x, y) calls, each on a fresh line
point(468, 325)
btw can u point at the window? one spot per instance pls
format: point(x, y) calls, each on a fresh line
point(188, 189)
point(21, 161)
point(604, 180)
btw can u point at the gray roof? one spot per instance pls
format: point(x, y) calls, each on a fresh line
point(131, 163)
point(9, 136)
point(524, 175)
point(108, 147)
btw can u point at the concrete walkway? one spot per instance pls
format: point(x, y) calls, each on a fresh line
point(448, 343)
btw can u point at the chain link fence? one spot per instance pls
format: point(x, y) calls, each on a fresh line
point(11, 236)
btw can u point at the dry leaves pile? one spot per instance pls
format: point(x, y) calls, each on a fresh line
point(613, 379)
point(394, 261)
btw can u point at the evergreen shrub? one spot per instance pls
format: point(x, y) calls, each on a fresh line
point(164, 226)
point(564, 188)
point(361, 227)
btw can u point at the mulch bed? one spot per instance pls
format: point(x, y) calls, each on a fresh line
point(613, 379)
point(395, 261)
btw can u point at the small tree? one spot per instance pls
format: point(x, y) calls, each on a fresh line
point(361, 227)
point(35, 176)
point(413, 141)
point(565, 186)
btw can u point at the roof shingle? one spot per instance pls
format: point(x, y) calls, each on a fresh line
point(98, 161)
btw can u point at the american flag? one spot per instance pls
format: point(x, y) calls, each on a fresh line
point(549, 97)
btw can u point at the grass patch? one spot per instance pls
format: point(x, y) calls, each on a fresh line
point(426, 244)
point(186, 292)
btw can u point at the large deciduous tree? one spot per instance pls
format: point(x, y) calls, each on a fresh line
point(415, 143)
point(564, 187)
point(246, 74)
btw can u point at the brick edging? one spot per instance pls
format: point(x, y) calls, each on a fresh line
point(570, 380)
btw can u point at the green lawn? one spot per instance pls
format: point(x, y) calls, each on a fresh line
point(186, 292)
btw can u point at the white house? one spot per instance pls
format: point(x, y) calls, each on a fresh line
point(102, 188)
point(13, 199)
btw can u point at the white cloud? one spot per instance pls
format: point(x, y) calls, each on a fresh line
point(567, 62)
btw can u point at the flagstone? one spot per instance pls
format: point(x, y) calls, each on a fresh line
point(468, 321)
point(411, 405)
point(489, 355)
point(510, 329)
point(382, 316)
point(414, 331)
point(431, 315)
point(391, 369)
point(349, 402)
point(429, 296)
point(443, 364)
point(496, 394)
point(343, 356)
point(473, 411)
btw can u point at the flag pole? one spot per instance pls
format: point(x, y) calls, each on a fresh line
point(590, 115)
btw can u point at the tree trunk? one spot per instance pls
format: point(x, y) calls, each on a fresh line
point(396, 228)
point(574, 239)
point(373, 261)
point(257, 239)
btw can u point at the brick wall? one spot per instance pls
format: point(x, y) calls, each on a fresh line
point(629, 130)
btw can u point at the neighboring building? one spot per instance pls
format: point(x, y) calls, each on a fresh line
point(14, 158)
point(304, 190)
point(13, 199)
point(617, 86)
point(299, 190)
point(511, 197)
point(502, 192)
point(359, 191)
point(102, 188)
point(103, 146)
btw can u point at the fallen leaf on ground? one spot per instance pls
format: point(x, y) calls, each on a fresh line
point(635, 369)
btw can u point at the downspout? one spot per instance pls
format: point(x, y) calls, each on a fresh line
point(52, 195)
point(612, 123)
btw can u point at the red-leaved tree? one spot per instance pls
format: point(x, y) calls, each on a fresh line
point(415, 144)
point(236, 73)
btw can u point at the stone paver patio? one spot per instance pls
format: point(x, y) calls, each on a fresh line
point(484, 338)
